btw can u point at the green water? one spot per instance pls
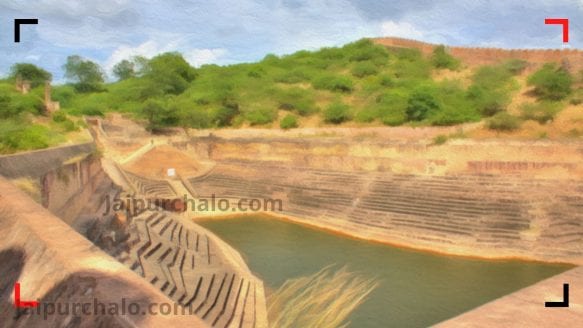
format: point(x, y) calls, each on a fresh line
point(416, 289)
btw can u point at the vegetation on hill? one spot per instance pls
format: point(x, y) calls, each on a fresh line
point(551, 82)
point(23, 123)
point(361, 82)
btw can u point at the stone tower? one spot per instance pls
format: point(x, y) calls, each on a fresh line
point(50, 105)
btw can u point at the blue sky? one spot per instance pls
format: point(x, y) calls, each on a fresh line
point(232, 31)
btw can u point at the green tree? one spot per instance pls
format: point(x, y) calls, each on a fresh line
point(551, 82)
point(170, 73)
point(87, 75)
point(124, 70)
point(36, 75)
point(160, 115)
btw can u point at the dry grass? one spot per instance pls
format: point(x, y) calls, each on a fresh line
point(323, 300)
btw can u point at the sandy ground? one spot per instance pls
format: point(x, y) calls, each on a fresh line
point(158, 160)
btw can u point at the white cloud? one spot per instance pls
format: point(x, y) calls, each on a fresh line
point(32, 57)
point(401, 29)
point(70, 8)
point(230, 31)
point(198, 57)
point(149, 49)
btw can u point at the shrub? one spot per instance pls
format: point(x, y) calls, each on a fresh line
point(297, 99)
point(292, 76)
point(541, 112)
point(330, 54)
point(515, 66)
point(442, 59)
point(386, 81)
point(421, 104)
point(288, 122)
point(260, 116)
point(455, 107)
point(503, 122)
point(270, 59)
point(92, 111)
point(24, 137)
point(256, 72)
point(59, 116)
point(336, 83)
point(365, 49)
point(490, 90)
point(337, 113)
point(452, 115)
point(160, 114)
point(197, 118)
point(367, 115)
point(69, 126)
point(14, 105)
point(394, 118)
point(223, 116)
point(373, 84)
point(551, 82)
point(64, 95)
point(491, 77)
point(488, 102)
point(391, 107)
point(411, 65)
point(363, 69)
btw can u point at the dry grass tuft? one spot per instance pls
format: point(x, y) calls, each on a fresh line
point(323, 300)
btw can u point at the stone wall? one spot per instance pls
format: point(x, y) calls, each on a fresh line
point(529, 158)
point(77, 187)
point(488, 56)
point(38, 162)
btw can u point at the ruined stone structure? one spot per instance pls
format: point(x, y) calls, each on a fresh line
point(407, 194)
point(176, 261)
point(22, 86)
point(56, 265)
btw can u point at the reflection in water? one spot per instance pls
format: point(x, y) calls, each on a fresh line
point(415, 289)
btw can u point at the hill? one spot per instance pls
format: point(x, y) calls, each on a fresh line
point(370, 82)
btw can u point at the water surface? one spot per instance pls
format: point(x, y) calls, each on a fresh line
point(416, 289)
